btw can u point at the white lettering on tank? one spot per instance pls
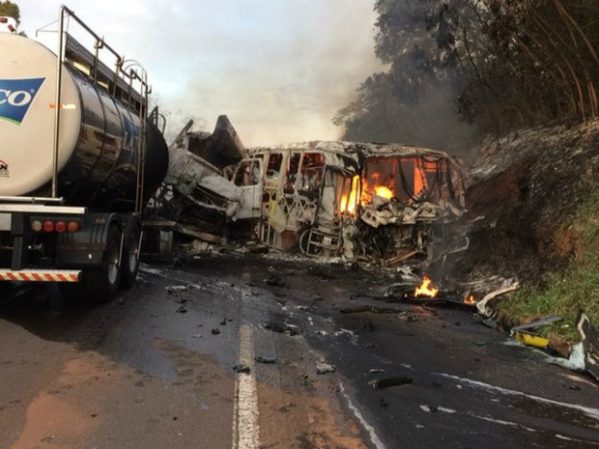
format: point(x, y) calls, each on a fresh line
point(17, 98)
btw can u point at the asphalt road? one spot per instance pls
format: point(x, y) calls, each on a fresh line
point(155, 368)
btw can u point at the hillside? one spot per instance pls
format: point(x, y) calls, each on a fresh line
point(538, 191)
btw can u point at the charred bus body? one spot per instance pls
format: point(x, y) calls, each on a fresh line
point(80, 156)
point(375, 202)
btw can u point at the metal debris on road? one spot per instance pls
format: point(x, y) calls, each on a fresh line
point(530, 339)
point(282, 328)
point(265, 360)
point(537, 324)
point(241, 368)
point(510, 286)
point(325, 368)
point(379, 384)
point(590, 344)
point(176, 289)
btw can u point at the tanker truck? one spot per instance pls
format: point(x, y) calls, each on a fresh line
point(80, 155)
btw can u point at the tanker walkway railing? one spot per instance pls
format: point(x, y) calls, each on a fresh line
point(129, 70)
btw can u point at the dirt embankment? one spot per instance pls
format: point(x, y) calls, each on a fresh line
point(528, 186)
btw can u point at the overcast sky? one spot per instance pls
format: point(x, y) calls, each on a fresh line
point(279, 69)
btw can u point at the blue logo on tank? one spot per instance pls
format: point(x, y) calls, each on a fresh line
point(16, 97)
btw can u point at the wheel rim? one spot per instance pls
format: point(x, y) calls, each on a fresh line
point(113, 265)
point(133, 254)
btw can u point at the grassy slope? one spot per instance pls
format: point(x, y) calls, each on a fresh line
point(566, 292)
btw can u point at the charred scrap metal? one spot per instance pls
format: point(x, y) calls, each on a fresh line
point(356, 201)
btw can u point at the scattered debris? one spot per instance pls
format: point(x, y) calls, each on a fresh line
point(376, 371)
point(576, 361)
point(176, 289)
point(387, 382)
point(344, 332)
point(181, 309)
point(429, 408)
point(324, 368)
point(215, 331)
point(509, 287)
point(590, 343)
point(241, 368)
point(265, 360)
point(529, 339)
point(282, 328)
point(526, 335)
point(537, 324)
point(276, 281)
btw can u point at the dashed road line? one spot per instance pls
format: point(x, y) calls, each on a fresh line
point(246, 424)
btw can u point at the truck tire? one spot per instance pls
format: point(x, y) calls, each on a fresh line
point(102, 285)
point(130, 260)
point(99, 285)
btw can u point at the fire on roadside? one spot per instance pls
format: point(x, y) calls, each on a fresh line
point(470, 300)
point(426, 289)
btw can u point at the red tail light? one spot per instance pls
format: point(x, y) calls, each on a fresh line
point(48, 226)
point(60, 226)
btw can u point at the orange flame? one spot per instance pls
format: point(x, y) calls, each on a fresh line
point(353, 196)
point(343, 204)
point(470, 300)
point(426, 289)
point(384, 192)
point(349, 204)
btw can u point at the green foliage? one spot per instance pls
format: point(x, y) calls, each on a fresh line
point(495, 64)
point(566, 293)
point(10, 9)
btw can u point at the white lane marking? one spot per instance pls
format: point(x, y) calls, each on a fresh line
point(246, 425)
point(504, 423)
point(591, 412)
point(374, 438)
point(427, 409)
point(565, 438)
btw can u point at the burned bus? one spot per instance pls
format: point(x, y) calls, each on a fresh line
point(372, 202)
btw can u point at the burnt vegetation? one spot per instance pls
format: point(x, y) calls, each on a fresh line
point(457, 69)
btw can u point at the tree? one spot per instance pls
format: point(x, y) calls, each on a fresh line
point(415, 101)
point(10, 9)
point(493, 64)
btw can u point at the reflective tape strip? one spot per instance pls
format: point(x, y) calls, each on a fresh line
point(40, 276)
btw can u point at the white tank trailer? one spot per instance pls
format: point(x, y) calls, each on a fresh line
point(78, 160)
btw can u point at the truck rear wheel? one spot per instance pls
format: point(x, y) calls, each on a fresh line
point(102, 285)
point(130, 263)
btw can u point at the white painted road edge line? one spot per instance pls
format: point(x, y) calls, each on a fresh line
point(246, 425)
point(374, 438)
